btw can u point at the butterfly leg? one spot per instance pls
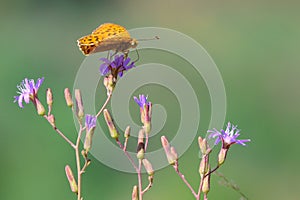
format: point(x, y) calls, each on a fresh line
point(138, 55)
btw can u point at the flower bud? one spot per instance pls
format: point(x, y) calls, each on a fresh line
point(68, 97)
point(39, 108)
point(203, 168)
point(141, 145)
point(109, 82)
point(147, 117)
point(202, 145)
point(174, 153)
point(206, 184)
point(71, 179)
point(141, 136)
point(222, 156)
point(110, 123)
point(90, 124)
point(141, 153)
point(171, 156)
point(79, 104)
point(127, 132)
point(147, 127)
point(135, 193)
point(49, 97)
point(148, 167)
point(88, 141)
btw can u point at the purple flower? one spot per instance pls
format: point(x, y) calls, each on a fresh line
point(228, 137)
point(117, 66)
point(145, 112)
point(28, 91)
point(90, 122)
point(141, 101)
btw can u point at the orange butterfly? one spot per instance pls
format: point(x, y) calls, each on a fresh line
point(107, 37)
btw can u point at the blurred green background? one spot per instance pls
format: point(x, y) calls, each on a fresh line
point(255, 45)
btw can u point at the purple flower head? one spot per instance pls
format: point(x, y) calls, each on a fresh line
point(228, 137)
point(117, 66)
point(28, 91)
point(90, 122)
point(141, 101)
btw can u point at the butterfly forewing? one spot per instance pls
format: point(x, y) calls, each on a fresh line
point(106, 37)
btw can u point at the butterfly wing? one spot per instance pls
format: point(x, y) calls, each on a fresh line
point(106, 37)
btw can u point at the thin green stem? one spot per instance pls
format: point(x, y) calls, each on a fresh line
point(127, 155)
point(140, 180)
point(78, 162)
point(184, 180)
point(60, 133)
point(104, 105)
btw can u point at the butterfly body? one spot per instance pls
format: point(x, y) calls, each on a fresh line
point(107, 37)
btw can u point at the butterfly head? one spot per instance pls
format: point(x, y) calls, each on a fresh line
point(133, 43)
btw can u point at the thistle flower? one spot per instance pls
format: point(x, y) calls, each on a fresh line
point(115, 67)
point(228, 136)
point(145, 110)
point(141, 101)
point(28, 91)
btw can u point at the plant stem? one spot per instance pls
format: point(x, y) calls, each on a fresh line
point(205, 158)
point(184, 180)
point(60, 133)
point(147, 188)
point(78, 162)
point(104, 105)
point(127, 155)
point(140, 180)
point(146, 142)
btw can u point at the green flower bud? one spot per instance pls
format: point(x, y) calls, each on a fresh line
point(71, 179)
point(68, 97)
point(148, 167)
point(110, 123)
point(79, 104)
point(39, 108)
point(135, 193)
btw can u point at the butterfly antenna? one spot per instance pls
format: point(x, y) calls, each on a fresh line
point(146, 39)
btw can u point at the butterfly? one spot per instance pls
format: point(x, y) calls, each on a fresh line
point(107, 37)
